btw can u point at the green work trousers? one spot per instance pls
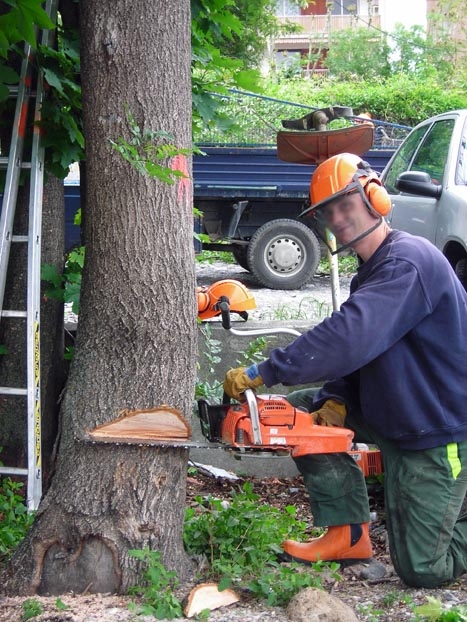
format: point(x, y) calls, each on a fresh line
point(424, 492)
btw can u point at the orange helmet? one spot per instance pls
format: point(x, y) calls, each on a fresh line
point(239, 298)
point(342, 174)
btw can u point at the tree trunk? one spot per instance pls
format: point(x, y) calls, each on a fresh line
point(136, 345)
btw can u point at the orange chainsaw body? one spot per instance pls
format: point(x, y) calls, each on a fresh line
point(279, 427)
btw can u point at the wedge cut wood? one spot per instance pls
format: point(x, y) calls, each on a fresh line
point(207, 596)
point(161, 423)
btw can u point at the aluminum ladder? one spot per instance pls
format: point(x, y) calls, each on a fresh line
point(14, 164)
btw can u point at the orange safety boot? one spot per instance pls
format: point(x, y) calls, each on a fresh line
point(346, 544)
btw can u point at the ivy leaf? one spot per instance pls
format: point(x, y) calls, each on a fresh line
point(224, 583)
point(4, 92)
point(26, 27)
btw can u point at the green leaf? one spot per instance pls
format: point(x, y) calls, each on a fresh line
point(432, 610)
point(53, 80)
point(61, 606)
point(8, 75)
point(33, 11)
point(4, 92)
point(224, 584)
point(51, 274)
point(26, 27)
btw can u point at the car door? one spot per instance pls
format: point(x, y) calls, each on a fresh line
point(425, 150)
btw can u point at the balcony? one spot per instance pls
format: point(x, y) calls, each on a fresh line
point(317, 28)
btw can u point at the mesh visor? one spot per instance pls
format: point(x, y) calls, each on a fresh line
point(316, 217)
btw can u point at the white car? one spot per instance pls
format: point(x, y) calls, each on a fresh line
point(427, 181)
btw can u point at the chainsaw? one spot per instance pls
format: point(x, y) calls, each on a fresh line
point(268, 425)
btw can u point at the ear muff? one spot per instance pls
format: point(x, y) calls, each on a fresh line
point(378, 197)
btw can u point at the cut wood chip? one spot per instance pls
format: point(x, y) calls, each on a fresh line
point(161, 423)
point(207, 596)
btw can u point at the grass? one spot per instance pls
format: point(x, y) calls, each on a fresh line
point(308, 309)
point(347, 263)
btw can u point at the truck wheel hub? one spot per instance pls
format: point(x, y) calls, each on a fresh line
point(284, 255)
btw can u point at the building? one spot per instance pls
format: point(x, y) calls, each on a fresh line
point(322, 18)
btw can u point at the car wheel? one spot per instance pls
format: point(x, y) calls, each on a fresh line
point(240, 252)
point(283, 254)
point(461, 271)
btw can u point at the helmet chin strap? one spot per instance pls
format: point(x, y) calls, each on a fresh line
point(358, 238)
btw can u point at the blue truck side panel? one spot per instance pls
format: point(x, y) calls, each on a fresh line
point(72, 204)
point(235, 173)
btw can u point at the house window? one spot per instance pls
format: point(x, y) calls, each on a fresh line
point(286, 8)
point(343, 7)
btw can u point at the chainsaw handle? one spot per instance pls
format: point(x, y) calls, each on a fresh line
point(224, 307)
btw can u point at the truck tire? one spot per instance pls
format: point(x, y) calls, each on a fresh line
point(461, 272)
point(240, 253)
point(283, 254)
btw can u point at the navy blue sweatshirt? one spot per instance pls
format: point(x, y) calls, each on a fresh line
point(396, 349)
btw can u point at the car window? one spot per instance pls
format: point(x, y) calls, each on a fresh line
point(403, 158)
point(432, 156)
point(425, 151)
point(461, 169)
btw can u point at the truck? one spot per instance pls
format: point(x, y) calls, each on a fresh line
point(250, 198)
point(251, 201)
point(427, 181)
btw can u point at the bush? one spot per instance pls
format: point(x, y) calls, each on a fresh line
point(401, 98)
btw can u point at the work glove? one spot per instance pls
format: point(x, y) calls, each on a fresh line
point(331, 413)
point(239, 379)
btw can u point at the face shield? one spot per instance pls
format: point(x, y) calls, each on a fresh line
point(320, 217)
point(345, 185)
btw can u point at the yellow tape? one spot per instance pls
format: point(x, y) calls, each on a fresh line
point(453, 459)
point(37, 395)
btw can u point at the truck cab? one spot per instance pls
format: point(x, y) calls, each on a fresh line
point(427, 181)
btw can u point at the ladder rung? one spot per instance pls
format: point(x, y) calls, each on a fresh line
point(19, 238)
point(13, 391)
point(6, 313)
point(4, 163)
point(13, 471)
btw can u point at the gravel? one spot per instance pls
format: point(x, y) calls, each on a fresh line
point(314, 300)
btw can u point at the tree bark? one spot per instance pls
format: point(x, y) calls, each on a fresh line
point(136, 345)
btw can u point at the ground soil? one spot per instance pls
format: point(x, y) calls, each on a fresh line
point(386, 599)
point(383, 600)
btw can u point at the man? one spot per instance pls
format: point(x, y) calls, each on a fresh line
point(395, 360)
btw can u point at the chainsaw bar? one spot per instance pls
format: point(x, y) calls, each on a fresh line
point(237, 452)
point(170, 443)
